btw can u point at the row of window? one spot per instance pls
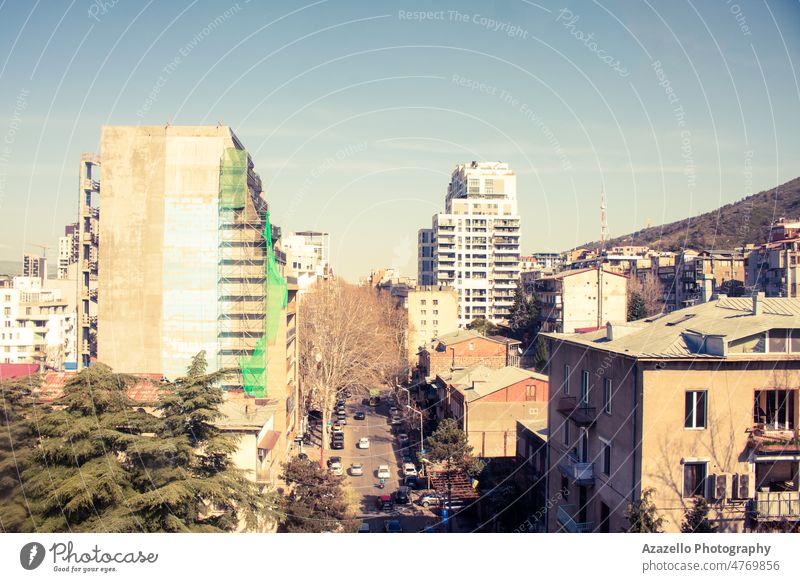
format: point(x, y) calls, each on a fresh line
point(584, 396)
point(424, 302)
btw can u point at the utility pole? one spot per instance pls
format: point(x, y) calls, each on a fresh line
point(603, 237)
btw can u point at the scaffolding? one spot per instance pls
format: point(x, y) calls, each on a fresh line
point(251, 291)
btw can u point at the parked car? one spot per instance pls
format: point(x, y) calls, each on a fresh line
point(363, 443)
point(333, 460)
point(302, 456)
point(411, 481)
point(337, 427)
point(395, 420)
point(383, 472)
point(429, 498)
point(393, 411)
point(364, 527)
point(337, 444)
point(337, 436)
point(409, 470)
point(356, 469)
point(385, 503)
point(402, 495)
point(360, 415)
point(336, 468)
point(403, 438)
point(408, 457)
point(392, 526)
point(341, 418)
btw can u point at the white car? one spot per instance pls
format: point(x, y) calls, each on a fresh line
point(356, 469)
point(363, 443)
point(383, 472)
point(409, 470)
point(336, 468)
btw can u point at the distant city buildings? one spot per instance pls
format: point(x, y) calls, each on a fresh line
point(474, 245)
point(34, 266)
point(432, 310)
point(68, 250)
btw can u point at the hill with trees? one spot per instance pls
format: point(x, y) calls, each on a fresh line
point(732, 225)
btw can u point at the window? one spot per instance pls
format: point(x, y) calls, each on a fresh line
point(607, 395)
point(422, 302)
point(565, 385)
point(778, 341)
point(566, 433)
point(774, 409)
point(565, 488)
point(605, 518)
point(423, 322)
point(423, 312)
point(435, 322)
point(753, 344)
point(436, 312)
point(584, 387)
point(7, 312)
point(696, 413)
point(606, 458)
point(530, 392)
point(436, 302)
point(471, 345)
point(8, 298)
point(694, 479)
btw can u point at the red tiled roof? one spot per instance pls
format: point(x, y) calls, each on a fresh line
point(9, 371)
point(146, 390)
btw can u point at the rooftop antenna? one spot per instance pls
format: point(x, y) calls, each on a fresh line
point(603, 238)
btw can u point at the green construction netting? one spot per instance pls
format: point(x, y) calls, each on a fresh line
point(254, 368)
point(233, 178)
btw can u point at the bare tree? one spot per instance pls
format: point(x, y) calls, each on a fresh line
point(348, 340)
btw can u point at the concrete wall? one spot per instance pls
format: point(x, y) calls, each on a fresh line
point(421, 328)
point(579, 300)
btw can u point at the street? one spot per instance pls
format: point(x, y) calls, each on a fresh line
point(384, 450)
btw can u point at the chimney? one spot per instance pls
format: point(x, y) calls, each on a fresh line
point(758, 303)
point(708, 287)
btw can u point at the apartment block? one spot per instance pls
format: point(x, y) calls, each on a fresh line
point(38, 324)
point(475, 243)
point(432, 311)
point(581, 299)
point(307, 256)
point(774, 269)
point(189, 262)
point(700, 402)
point(88, 256)
point(34, 266)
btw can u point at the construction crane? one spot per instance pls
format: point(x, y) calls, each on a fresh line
point(43, 247)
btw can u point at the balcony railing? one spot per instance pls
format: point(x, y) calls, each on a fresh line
point(565, 518)
point(774, 505)
point(767, 441)
point(578, 412)
point(576, 471)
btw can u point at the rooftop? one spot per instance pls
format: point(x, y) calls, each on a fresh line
point(242, 413)
point(693, 331)
point(478, 381)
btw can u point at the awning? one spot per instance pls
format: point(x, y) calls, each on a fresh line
point(269, 440)
point(776, 458)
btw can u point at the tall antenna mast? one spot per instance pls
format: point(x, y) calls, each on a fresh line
point(603, 239)
point(603, 219)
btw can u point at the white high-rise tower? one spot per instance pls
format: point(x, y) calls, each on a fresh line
point(475, 243)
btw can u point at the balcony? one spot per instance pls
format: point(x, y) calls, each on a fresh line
point(765, 441)
point(579, 413)
point(567, 521)
point(777, 505)
point(579, 473)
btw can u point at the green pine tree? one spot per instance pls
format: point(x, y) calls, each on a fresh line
point(482, 325)
point(541, 355)
point(316, 501)
point(17, 442)
point(79, 477)
point(185, 478)
point(643, 516)
point(696, 520)
point(636, 307)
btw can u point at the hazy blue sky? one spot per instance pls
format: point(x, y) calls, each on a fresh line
point(356, 112)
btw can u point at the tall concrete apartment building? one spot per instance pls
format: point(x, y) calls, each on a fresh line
point(34, 266)
point(700, 402)
point(432, 311)
point(187, 264)
point(474, 245)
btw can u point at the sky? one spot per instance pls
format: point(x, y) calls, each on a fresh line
point(355, 113)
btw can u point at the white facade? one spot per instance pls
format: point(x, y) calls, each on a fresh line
point(38, 325)
point(476, 241)
point(307, 255)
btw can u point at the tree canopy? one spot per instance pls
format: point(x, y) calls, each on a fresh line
point(316, 501)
